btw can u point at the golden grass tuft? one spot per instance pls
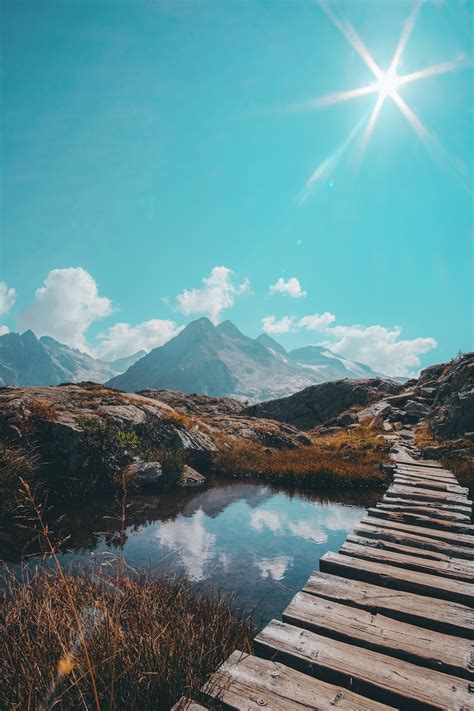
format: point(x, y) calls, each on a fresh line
point(148, 640)
point(347, 459)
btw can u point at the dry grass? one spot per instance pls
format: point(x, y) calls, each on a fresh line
point(347, 459)
point(41, 410)
point(148, 641)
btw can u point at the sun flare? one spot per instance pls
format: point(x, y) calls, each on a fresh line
point(386, 86)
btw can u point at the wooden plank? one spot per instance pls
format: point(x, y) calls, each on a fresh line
point(446, 568)
point(398, 578)
point(381, 678)
point(407, 550)
point(420, 474)
point(428, 648)
point(429, 484)
point(425, 464)
point(459, 539)
point(418, 519)
point(426, 511)
point(411, 539)
point(458, 508)
point(411, 492)
point(432, 613)
point(247, 683)
point(185, 704)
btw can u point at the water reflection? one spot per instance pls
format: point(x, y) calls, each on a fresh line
point(245, 538)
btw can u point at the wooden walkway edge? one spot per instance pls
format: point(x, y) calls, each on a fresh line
point(387, 623)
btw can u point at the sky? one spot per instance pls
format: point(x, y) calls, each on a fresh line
point(164, 160)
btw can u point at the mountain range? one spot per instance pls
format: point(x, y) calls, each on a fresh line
point(202, 358)
point(27, 360)
point(222, 361)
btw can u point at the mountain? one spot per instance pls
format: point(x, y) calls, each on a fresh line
point(330, 366)
point(222, 361)
point(26, 360)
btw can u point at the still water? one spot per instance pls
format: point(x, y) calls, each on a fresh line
point(244, 538)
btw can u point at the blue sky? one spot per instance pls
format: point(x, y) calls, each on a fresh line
point(146, 143)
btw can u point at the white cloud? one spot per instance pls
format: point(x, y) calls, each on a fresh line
point(317, 322)
point(66, 306)
point(270, 324)
point(190, 540)
point(217, 293)
point(124, 340)
point(7, 298)
point(274, 568)
point(292, 288)
point(261, 518)
point(379, 347)
point(309, 531)
point(4, 330)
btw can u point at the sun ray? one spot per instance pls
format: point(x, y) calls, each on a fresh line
point(371, 123)
point(419, 127)
point(434, 70)
point(408, 28)
point(332, 160)
point(348, 31)
point(334, 98)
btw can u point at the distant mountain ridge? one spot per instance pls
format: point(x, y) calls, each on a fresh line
point(26, 360)
point(222, 361)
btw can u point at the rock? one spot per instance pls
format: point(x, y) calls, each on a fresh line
point(190, 477)
point(145, 473)
point(452, 412)
point(320, 404)
point(388, 427)
point(329, 430)
point(413, 407)
point(349, 418)
point(469, 436)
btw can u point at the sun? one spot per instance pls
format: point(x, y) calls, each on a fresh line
point(388, 84)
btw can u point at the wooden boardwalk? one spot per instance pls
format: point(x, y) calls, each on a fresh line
point(388, 622)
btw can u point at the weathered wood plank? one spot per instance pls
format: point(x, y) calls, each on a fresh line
point(245, 682)
point(425, 464)
point(432, 485)
point(373, 530)
point(375, 675)
point(459, 508)
point(445, 569)
point(432, 613)
point(185, 704)
point(407, 550)
point(459, 539)
point(428, 648)
point(434, 512)
point(412, 492)
point(430, 476)
point(397, 578)
point(418, 519)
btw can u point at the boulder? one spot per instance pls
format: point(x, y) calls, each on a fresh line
point(144, 473)
point(191, 478)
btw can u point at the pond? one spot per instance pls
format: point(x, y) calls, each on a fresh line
point(245, 538)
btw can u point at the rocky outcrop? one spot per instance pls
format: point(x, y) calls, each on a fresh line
point(227, 416)
point(452, 385)
point(56, 419)
point(320, 404)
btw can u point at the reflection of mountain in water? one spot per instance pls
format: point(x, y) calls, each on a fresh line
point(214, 501)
